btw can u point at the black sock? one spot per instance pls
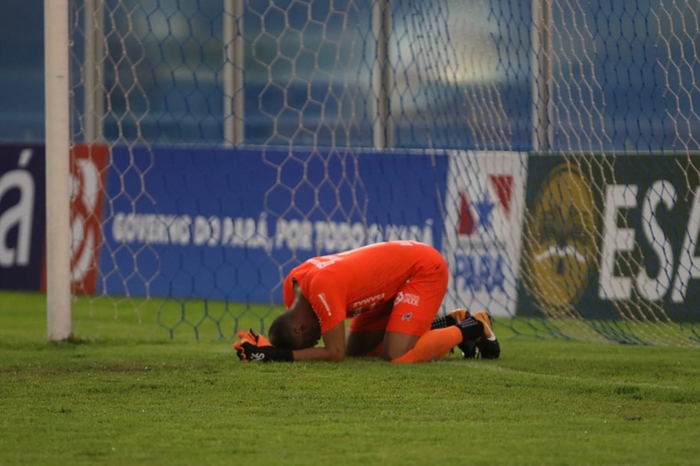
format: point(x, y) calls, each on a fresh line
point(443, 322)
point(471, 328)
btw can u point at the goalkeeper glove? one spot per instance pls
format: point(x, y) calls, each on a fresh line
point(251, 336)
point(254, 347)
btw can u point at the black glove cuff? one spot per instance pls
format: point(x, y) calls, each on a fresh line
point(282, 354)
point(442, 322)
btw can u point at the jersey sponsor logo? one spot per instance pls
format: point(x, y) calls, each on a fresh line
point(372, 300)
point(407, 317)
point(560, 241)
point(322, 297)
point(408, 298)
point(320, 263)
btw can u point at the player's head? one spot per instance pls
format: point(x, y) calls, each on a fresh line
point(295, 329)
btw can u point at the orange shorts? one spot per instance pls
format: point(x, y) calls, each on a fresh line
point(415, 305)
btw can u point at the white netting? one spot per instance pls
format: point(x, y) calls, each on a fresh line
point(233, 139)
point(610, 231)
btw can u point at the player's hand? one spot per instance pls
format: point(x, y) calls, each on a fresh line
point(248, 352)
point(254, 347)
point(251, 336)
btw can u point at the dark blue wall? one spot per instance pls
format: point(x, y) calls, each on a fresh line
point(22, 70)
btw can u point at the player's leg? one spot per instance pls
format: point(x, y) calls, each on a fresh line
point(430, 346)
point(397, 344)
point(415, 307)
point(469, 335)
point(364, 344)
point(366, 332)
point(473, 333)
point(415, 335)
point(479, 323)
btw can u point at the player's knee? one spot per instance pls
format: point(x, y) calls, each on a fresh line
point(397, 344)
point(391, 353)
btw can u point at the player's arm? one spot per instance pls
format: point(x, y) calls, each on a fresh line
point(334, 349)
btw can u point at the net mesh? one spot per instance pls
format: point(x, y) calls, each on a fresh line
point(548, 150)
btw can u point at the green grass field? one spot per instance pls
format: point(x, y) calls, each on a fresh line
point(124, 393)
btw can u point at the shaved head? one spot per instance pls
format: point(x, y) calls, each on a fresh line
point(281, 332)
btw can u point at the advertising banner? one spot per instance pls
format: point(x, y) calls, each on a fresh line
point(230, 223)
point(22, 216)
point(484, 213)
point(88, 171)
point(622, 229)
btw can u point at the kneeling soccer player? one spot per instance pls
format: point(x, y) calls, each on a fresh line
point(392, 292)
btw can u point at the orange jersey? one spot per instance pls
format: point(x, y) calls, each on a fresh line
point(344, 285)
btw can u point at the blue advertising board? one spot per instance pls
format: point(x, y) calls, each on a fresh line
point(228, 224)
point(22, 216)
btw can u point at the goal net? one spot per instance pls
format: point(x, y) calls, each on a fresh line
point(548, 149)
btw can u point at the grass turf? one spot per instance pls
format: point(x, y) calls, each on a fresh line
point(124, 393)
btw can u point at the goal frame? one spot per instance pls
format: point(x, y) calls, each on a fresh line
point(58, 122)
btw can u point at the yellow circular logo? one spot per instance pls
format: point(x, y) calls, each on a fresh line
point(560, 241)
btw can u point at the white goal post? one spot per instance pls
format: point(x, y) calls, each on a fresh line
point(58, 239)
